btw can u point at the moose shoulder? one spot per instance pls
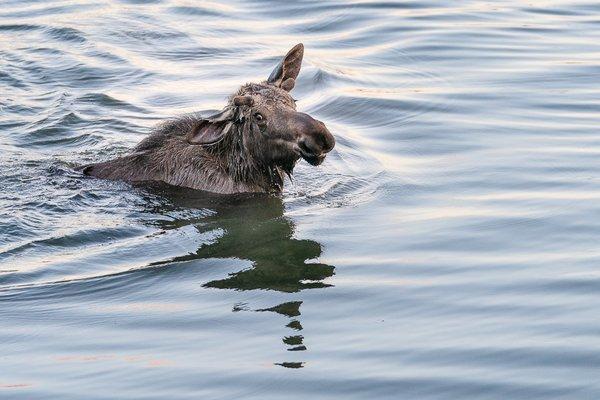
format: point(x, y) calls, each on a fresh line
point(247, 147)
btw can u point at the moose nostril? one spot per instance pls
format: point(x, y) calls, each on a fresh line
point(307, 146)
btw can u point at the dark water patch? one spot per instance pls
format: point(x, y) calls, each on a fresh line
point(140, 2)
point(193, 52)
point(45, 11)
point(87, 76)
point(197, 11)
point(323, 79)
point(54, 130)
point(571, 106)
point(318, 8)
point(48, 51)
point(77, 239)
point(106, 101)
point(529, 28)
point(335, 23)
point(552, 11)
point(106, 285)
point(66, 34)
point(18, 27)
point(152, 35)
point(9, 80)
point(371, 113)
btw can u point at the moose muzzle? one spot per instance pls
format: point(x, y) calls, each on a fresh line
point(314, 140)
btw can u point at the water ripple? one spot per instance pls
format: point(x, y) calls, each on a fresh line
point(446, 248)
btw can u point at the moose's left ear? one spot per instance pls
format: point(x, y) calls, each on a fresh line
point(207, 132)
point(288, 67)
point(212, 129)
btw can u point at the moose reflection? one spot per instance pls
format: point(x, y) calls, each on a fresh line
point(254, 228)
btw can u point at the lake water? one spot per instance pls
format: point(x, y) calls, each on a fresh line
point(446, 249)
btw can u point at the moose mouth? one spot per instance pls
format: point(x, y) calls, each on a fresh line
point(311, 158)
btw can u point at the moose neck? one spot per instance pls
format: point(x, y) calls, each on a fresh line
point(242, 163)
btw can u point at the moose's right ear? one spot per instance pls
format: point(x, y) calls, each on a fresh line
point(288, 67)
point(207, 132)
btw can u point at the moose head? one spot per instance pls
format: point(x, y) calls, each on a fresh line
point(261, 122)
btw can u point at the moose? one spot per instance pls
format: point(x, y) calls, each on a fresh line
point(248, 147)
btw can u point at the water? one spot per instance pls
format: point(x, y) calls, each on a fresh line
point(446, 249)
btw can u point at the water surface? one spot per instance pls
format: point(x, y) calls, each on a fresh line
point(446, 249)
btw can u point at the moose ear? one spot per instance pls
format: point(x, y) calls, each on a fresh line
point(207, 132)
point(212, 129)
point(288, 67)
point(243, 101)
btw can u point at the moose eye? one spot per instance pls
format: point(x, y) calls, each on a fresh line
point(258, 116)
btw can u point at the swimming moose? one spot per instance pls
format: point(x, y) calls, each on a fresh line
point(247, 147)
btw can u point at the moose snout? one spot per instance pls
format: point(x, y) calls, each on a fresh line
point(326, 138)
point(314, 140)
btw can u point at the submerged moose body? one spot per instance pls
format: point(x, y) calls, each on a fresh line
point(247, 147)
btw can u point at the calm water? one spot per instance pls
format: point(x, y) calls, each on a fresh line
point(446, 249)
